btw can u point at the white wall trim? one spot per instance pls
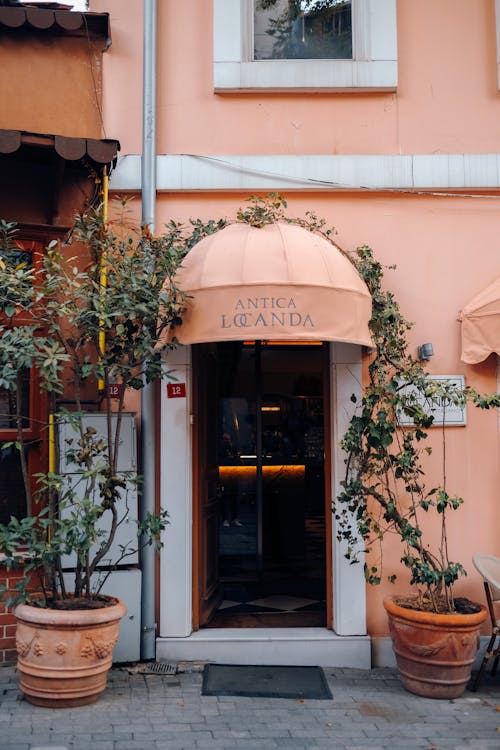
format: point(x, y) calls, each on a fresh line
point(382, 653)
point(373, 67)
point(349, 585)
point(176, 576)
point(298, 646)
point(322, 172)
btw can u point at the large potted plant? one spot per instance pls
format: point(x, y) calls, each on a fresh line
point(87, 316)
point(435, 635)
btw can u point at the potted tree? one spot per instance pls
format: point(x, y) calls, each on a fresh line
point(78, 320)
point(435, 635)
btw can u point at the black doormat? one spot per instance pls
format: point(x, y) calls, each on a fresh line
point(265, 682)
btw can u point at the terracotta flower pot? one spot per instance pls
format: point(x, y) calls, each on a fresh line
point(434, 653)
point(64, 655)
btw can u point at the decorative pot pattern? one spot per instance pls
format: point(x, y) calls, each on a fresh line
point(434, 653)
point(64, 656)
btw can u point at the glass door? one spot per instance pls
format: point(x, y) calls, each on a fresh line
point(270, 456)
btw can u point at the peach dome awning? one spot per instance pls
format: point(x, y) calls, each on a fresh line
point(481, 325)
point(277, 282)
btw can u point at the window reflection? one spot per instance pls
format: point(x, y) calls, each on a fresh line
point(302, 29)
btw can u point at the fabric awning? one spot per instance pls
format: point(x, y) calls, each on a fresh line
point(277, 282)
point(481, 325)
point(53, 19)
point(100, 151)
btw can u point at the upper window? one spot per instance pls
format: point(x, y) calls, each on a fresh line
point(305, 45)
point(302, 30)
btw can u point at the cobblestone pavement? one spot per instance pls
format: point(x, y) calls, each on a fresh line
point(369, 711)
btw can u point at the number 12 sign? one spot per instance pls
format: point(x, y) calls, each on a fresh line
point(176, 390)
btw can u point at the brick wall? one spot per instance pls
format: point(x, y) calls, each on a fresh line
point(8, 654)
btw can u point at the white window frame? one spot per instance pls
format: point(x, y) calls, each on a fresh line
point(373, 67)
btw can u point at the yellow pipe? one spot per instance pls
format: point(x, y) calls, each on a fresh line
point(103, 273)
point(105, 191)
point(52, 445)
point(52, 456)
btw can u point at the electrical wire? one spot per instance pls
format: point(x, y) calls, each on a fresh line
point(343, 186)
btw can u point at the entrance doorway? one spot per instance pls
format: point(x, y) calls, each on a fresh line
point(262, 526)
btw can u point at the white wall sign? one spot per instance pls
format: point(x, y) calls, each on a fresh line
point(448, 413)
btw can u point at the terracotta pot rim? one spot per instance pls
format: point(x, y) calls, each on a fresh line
point(431, 618)
point(29, 613)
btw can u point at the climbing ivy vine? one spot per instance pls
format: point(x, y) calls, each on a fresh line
point(384, 490)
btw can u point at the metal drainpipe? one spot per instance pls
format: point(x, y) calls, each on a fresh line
point(148, 190)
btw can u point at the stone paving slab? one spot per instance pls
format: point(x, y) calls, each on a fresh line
point(370, 710)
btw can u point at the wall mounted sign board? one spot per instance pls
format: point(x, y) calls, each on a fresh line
point(448, 413)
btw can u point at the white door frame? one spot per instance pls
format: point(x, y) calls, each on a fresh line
point(175, 632)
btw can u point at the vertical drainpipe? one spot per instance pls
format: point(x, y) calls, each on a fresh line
point(148, 448)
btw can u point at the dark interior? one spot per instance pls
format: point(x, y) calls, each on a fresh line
point(270, 457)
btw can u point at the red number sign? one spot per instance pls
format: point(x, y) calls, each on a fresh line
point(115, 390)
point(176, 390)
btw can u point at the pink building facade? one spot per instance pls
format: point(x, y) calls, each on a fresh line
point(398, 147)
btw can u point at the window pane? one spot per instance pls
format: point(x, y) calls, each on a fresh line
point(12, 494)
point(302, 29)
point(8, 402)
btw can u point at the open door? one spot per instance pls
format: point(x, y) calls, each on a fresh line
point(261, 510)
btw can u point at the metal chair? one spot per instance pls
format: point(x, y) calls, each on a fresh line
point(489, 568)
